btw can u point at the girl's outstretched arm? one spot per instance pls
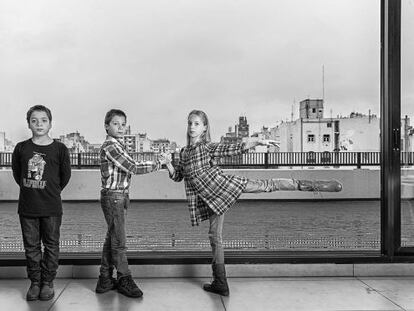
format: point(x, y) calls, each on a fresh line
point(224, 150)
point(175, 172)
point(260, 142)
point(217, 150)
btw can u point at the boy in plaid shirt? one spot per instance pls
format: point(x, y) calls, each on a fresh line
point(210, 192)
point(117, 168)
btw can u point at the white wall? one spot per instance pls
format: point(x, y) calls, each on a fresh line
point(359, 134)
point(2, 141)
point(85, 185)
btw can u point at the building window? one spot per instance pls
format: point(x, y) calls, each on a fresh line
point(326, 138)
point(313, 110)
point(329, 124)
point(311, 138)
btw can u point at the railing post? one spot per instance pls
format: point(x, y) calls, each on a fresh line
point(79, 160)
point(359, 160)
point(266, 159)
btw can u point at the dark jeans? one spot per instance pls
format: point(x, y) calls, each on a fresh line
point(41, 267)
point(114, 206)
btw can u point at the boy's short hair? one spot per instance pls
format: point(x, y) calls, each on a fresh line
point(112, 113)
point(38, 108)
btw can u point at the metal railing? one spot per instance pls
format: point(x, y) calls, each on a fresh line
point(252, 159)
point(173, 243)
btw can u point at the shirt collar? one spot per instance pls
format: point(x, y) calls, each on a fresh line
point(113, 139)
point(196, 144)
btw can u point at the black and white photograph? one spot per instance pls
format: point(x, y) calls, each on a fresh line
point(207, 155)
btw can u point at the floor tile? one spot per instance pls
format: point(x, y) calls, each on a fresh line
point(304, 294)
point(159, 294)
point(13, 295)
point(398, 289)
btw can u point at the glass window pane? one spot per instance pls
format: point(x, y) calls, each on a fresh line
point(302, 73)
point(407, 131)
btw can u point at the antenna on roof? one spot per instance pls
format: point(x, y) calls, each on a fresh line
point(323, 83)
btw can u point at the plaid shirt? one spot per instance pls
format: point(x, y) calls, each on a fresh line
point(117, 166)
point(207, 188)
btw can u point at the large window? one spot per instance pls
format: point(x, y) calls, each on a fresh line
point(265, 68)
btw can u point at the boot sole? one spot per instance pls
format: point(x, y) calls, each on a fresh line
point(31, 298)
point(218, 293)
point(47, 298)
point(129, 295)
point(102, 291)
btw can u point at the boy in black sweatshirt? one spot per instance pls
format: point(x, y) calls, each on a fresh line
point(41, 168)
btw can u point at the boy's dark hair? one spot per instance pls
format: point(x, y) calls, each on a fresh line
point(112, 113)
point(38, 108)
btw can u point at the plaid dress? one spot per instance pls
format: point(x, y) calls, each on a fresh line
point(207, 188)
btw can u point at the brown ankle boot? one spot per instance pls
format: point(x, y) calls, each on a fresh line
point(319, 185)
point(219, 284)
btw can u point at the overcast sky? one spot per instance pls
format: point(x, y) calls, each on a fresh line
point(159, 59)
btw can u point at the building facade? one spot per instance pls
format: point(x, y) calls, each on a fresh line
point(241, 131)
point(75, 142)
point(313, 132)
point(2, 141)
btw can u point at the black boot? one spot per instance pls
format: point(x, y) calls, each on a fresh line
point(319, 185)
point(34, 291)
point(46, 292)
point(219, 284)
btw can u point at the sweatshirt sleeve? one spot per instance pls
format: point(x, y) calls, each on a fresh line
point(65, 169)
point(16, 166)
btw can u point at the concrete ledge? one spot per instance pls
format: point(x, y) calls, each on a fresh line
point(234, 271)
point(85, 185)
point(380, 269)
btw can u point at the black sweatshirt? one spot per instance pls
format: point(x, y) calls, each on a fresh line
point(41, 172)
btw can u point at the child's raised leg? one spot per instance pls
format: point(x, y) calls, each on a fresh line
point(290, 184)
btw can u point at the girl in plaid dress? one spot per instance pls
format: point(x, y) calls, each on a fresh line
point(210, 192)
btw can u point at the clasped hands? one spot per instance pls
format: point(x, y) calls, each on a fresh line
point(164, 158)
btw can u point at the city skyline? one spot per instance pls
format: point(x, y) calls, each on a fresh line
point(251, 131)
point(159, 60)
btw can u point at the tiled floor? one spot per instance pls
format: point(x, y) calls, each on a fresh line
point(261, 294)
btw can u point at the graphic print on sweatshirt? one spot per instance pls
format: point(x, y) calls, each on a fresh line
point(35, 169)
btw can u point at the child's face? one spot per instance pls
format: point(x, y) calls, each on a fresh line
point(116, 128)
point(39, 123)
point(195, 127)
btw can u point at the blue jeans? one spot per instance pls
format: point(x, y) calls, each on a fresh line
point(114, 206)
point(41, 267)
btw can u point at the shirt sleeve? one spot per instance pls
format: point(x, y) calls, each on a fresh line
point(16, 166)
point(178, 170)
point(124, 162)
point(65, 169)
point(217, 150)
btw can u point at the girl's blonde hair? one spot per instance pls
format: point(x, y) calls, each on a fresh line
point(205, 137)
